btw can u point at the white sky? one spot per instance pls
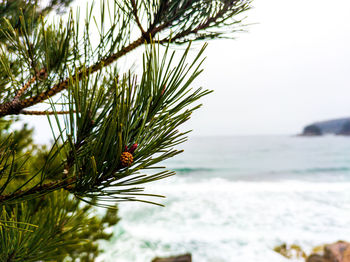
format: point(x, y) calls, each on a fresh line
point(290, 69)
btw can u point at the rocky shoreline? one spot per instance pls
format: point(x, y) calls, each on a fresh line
point(181, 258)
point(335, 252)
point(339, 126)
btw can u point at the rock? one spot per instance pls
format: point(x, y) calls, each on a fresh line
point(315, 258)
point(290, 251)
point(346, 255)
point(312, 130)
point(182, 258)
point(340, 126)
point(336, 252)
point(345, 131)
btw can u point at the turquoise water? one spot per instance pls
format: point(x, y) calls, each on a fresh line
point(235, 198)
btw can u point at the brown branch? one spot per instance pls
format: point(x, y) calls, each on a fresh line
point(40, 188)
point(42, 74)
point(200, 26)
point(11, 108)
point(44, 113)
point(15, 107)
point(134, 10)
point(25, 87)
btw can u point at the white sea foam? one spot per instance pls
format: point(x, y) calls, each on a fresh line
point(234, 199)
point(220, 220)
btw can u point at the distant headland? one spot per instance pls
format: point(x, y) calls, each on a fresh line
point(340, 126)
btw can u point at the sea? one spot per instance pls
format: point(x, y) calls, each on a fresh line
point(236, 198)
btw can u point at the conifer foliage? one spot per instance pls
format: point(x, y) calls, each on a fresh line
point(114, 127)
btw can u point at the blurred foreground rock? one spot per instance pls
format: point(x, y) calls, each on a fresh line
point(337, 252)
point(315, 258)
point(182, 258)
point(292, 251)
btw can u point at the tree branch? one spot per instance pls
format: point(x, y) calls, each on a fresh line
point(39, 188)
point(134, 10)
point(14, 108)
point(42, 74)
point(25, 87)
point(200, 26)
point(44, 113)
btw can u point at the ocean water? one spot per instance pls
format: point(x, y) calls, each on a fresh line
point(235, 198)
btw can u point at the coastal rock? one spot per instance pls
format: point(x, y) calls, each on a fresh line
point(315, 258)
point(182, 258)
point(345, 131)
point(339, 126)
point(312, 130)
point(336, 252)
point(290, 251)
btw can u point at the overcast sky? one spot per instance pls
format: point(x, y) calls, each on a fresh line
point(291, 68)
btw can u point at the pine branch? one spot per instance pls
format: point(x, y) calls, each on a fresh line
point(107, 120)
point(135, 10)
point(12, 108)
point(103, 115)
point(157, 26)
point(52, 228)
point(25, 87)
point(114, 129)
point(35, 191)
point(43, 113)
point(204, 25)
point(41, 75)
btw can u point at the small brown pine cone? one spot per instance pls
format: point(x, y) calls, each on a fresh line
point(126, 159)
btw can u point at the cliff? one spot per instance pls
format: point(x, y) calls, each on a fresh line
point(339, 126)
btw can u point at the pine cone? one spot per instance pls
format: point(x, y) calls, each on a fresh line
point(126, 158)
